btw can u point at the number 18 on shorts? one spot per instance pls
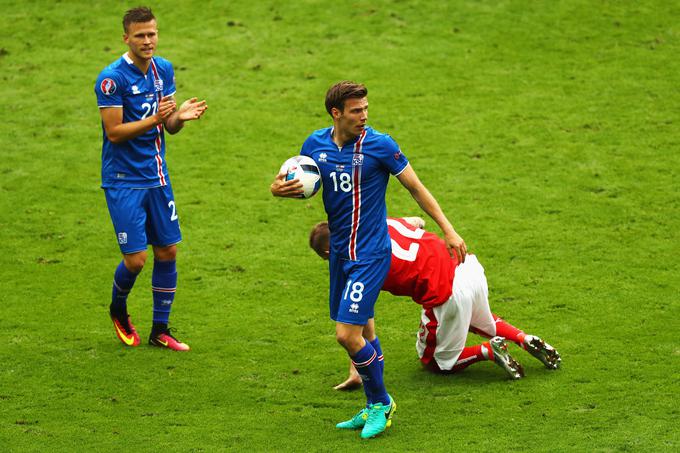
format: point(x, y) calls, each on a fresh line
point(354, 288)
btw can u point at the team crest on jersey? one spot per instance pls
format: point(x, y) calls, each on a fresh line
point(158, 84)
point(357, 159)
point(122, 238)
point(108, 86)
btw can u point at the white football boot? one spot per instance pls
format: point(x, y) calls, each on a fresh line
point(504, 360)
point(542, 351)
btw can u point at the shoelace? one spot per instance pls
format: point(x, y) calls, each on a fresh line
point(169, 334)
point(376, 411)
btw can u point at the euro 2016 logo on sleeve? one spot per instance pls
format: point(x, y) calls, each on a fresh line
point(357, 159)
point(108, 87)
point(122, 238)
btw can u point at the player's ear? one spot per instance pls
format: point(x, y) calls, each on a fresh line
point(336, 113)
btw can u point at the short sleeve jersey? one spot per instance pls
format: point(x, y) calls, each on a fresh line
point(138, 162)
point(355, 178)
point(421, 266)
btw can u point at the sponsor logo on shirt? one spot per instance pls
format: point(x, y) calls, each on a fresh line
point(357, 160)
point(354, 308)
point(108, 86)
point(122, 238)
point(135, 90)
point(323, 157)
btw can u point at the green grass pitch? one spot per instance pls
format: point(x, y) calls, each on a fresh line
point(547, 130)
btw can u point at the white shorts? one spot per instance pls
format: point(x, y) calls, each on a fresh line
point(444, 328)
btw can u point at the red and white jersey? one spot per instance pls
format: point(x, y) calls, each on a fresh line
point(421, 265)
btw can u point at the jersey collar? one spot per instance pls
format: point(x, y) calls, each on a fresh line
point(131, 64)
point(351, 142)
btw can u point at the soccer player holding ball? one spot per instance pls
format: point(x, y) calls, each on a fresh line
point(135, 95)
point(355, 162)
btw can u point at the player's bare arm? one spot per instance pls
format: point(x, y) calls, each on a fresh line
point(191, 109)
point(287, 189)
point(117, 131)
point(427, 203)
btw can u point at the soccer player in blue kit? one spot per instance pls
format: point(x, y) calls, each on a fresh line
point(135, 95)
point(356, 162)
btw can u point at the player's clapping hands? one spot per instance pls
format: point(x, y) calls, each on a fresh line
point(166, 107)
point(192, 109)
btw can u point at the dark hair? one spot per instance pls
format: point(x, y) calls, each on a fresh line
point(137, 15)
point(341, 91)
point(319, 238)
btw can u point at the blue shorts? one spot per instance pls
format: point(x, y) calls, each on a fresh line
point(354, 288)
point(142, 217)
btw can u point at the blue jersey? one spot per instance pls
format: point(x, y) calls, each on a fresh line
point(139, 162)
point(355, 178)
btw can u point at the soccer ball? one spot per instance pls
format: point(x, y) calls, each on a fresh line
point(303, 168)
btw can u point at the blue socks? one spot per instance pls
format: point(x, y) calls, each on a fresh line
point(163, 285)
point(378, 350)
point(123, 281)
point(370, 368)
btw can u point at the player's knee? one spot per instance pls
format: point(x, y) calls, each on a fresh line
point(134, 262)
point(168, 253)
point(348, 340)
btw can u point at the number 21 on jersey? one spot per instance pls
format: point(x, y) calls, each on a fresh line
point(149, 109)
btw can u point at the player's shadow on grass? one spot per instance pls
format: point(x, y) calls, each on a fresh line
point(478, 376)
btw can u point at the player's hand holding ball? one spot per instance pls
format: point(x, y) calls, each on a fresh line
point(298, 177)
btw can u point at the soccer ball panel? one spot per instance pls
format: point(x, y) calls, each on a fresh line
point(305, 169)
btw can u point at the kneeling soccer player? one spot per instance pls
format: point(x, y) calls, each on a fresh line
point(454, 300)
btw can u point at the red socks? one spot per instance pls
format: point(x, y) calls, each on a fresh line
point(470, 355)
point(508, 331)
point(481, 352)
